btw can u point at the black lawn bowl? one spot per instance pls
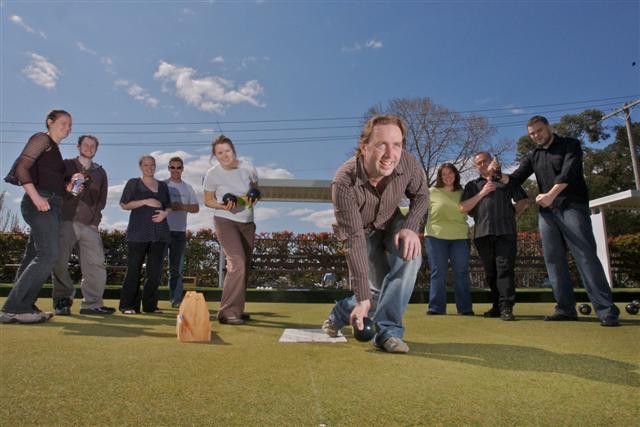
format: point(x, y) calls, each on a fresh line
point(229, 198)
point(632, 308)
point(584, 309)
point(253, 194)
point(367, 332)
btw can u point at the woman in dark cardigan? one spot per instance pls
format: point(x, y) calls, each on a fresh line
point(147, 236)
point(41, 173)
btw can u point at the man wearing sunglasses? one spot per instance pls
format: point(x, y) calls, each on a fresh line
point(183, 201)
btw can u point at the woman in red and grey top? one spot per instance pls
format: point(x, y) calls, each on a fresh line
point(41, 173)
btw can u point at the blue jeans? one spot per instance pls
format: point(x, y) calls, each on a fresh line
point(41, 253)
point(176, 264)
point(571, 228)
point(440, 251)
point(391, 282)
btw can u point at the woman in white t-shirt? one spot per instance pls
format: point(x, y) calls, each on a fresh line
point(233, 222)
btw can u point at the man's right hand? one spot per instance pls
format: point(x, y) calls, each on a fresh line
point(359, 312)
point(489, 187)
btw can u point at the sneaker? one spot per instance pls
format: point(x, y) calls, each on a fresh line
point(62, 307)
point(7, 317)
point(393, 345)
point(47, 315)
point(231, 321)
point(467, 313)
point(98, 310)
point(434, 313)
point(330, 328)
point(610, 321)
point(507, 314)
point(33, 317)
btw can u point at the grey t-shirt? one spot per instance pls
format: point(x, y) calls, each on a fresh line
point(180, 192)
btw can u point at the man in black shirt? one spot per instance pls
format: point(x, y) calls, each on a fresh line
point(564, 221)
point(494, 233)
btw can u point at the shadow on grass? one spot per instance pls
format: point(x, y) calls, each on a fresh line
point(124, 327)
point(531, 359)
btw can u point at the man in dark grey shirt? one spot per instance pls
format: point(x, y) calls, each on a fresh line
point(494, 233)
point(564, 221)
point(382, 246)
point(81, 215)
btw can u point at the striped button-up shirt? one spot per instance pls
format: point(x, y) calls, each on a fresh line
point(361, 208)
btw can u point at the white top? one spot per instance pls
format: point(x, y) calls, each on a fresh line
point(235, 181)
point(180, 192)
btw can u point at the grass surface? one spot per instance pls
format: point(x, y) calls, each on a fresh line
point(116, 370)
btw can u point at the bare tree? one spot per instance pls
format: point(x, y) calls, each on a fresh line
point(437, 135)
point(8, 219)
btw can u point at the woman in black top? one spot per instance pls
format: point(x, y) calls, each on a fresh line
point(41, 173)
point(147, 236)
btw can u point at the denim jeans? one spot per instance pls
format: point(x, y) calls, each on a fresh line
point(40, 255)
point(440, 251)
point(571, 228)
point(391, 282)
point(176, 264)
point(498, 255)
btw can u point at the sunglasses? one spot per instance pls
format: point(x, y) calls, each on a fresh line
point(175, 167)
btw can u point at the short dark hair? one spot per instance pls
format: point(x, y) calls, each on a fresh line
point(53, 116)
point(176, 159)
point(452, 168)
point(535, 119)
point(90, 137)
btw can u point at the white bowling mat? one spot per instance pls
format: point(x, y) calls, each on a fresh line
point(309, 335)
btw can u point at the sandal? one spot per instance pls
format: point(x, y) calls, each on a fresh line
point(128, 311)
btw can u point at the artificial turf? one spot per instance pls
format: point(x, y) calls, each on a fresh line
point(117, 370)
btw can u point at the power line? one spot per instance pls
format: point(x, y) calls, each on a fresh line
point(312, 119)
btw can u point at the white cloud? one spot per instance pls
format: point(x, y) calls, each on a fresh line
point(41, 71)
point(246, 61)
point(374, 44)
point(218, 59)
point(357, 46)
point(210, 93)
point(264, 214)
point(321, 219)
point(19, 21)
point(187, 11)
point(83, 48)
point(353, 48)
point(300, 212)
point(137, 92)
point(268, 172)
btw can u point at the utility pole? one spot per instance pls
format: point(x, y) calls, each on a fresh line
point(626, 109)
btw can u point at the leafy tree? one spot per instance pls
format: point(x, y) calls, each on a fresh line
point(436, 134)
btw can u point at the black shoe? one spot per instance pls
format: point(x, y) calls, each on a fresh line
point(467, 313)
point(558, 317)
point(231, 321)
point(609, 321)
point(98, 310)
point(494, 312)
point(507, 314)
point(245, 316)
point(62, 307)
point(434, 313)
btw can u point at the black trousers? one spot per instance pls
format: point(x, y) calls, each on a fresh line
point(498, 254)
point(131, 296)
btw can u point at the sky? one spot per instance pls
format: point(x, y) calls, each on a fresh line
point(288, 82)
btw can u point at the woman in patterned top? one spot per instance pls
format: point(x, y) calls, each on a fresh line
point(147, 236)
point(41, 173)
